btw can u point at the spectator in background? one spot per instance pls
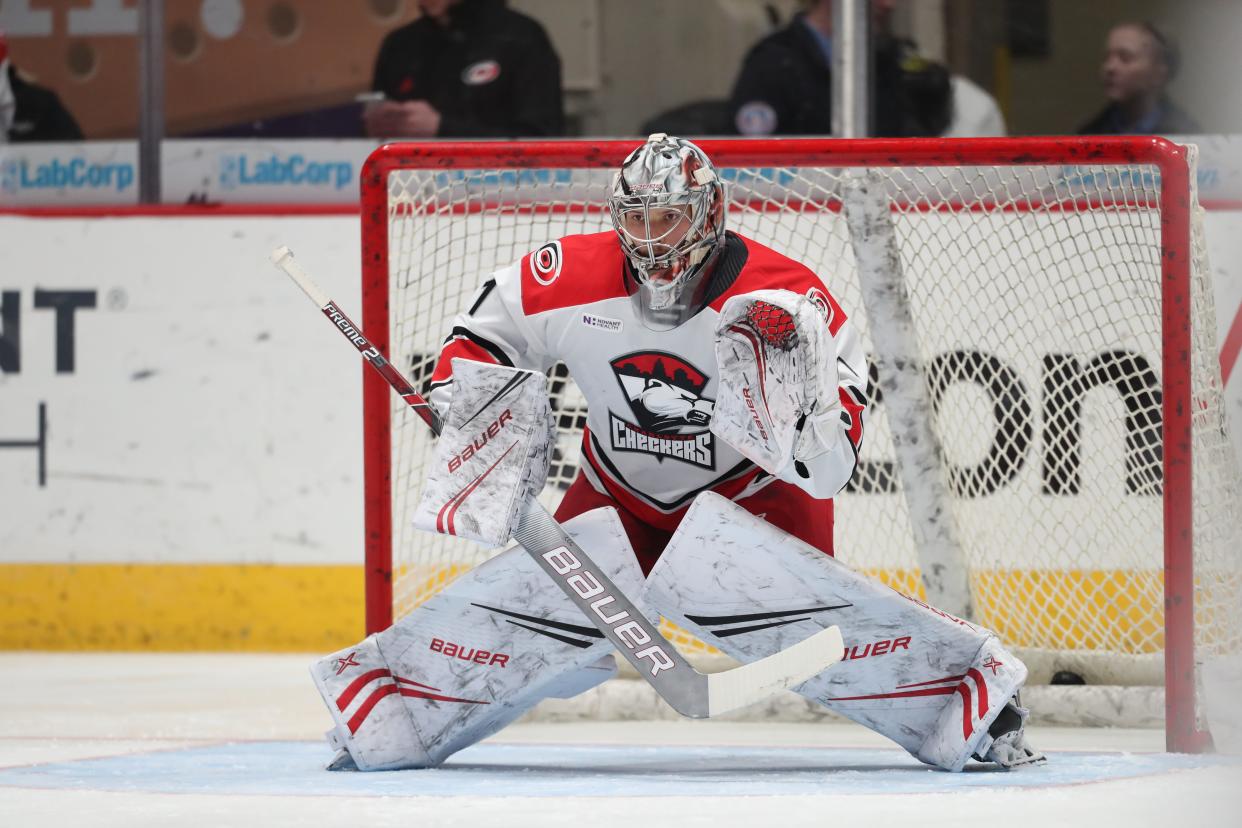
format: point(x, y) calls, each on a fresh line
point(974, 114)
point(466, 69)
point(785, 85)
point(932, 102)
point(28, 112)
point(1139, 63)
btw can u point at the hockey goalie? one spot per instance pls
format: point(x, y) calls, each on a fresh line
point(726, 407)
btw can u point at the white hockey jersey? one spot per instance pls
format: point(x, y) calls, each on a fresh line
point(649, 394)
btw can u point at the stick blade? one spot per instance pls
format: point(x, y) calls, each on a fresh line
point(754, 682)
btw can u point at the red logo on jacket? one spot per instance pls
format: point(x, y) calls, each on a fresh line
point(477, 74)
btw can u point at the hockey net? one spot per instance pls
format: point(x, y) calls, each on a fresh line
point(1059, 299)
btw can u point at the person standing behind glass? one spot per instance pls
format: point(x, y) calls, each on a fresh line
point(30, 113)
point(466, 69)
point(784, 86)
point(1139, 63)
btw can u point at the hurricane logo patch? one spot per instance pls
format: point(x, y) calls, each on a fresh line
point(820, 300)
point(545, 263)
point(477, 74)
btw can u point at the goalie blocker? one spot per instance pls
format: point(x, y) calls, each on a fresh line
point(492, 456)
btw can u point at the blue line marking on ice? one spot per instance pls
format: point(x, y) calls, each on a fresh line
point(501, 770)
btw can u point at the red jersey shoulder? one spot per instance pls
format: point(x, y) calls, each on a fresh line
point(766, 269)
point(572, 271)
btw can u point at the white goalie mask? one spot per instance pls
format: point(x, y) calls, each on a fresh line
point(667, 206)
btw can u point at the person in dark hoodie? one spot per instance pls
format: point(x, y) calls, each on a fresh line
point(467, 69)
point(1139, 63)
point(784, 86)
point(30, 113)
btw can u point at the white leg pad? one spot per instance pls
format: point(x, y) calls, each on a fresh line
point(578, 682)
point(961, 730)
point(928, 681)
point(482, 652)
point(360, 692)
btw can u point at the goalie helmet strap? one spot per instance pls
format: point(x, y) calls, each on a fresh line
point(732, 259)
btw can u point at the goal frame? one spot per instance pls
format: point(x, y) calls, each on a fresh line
point(1176, 262)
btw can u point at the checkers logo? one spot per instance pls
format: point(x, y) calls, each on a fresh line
point(664, 392)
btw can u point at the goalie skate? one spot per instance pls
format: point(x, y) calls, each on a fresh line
point(1008, 747)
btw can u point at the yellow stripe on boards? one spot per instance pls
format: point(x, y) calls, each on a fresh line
point(1112, 610)
point(169, 607)
point(319, 609)
point(1116, 611)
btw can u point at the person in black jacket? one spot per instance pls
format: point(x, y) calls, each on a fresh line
point(785, 83)
point(467, 69)
point(1139, 62)
point(30, 113)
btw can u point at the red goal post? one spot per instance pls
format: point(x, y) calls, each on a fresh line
point(1128, 202)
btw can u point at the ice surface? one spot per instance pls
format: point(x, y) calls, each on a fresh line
point(132, 740)
point(637, 770)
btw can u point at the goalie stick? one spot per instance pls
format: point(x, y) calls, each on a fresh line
point(689, 692)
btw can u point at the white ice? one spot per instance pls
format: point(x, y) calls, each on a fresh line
point(230, 739)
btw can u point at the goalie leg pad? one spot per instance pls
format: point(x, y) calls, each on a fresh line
point(492, 457)
point(376, 734)
point(929, 681)
point(485, 650)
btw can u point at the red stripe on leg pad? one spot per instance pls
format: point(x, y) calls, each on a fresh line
point(908, 694)
point(360, 716)
point(967, 726)
point(421, 694)
point(356, 685)
point(981, 688)
point(933, 681)
point(402, 680)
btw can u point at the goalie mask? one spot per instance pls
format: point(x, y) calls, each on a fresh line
point(667, 206)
